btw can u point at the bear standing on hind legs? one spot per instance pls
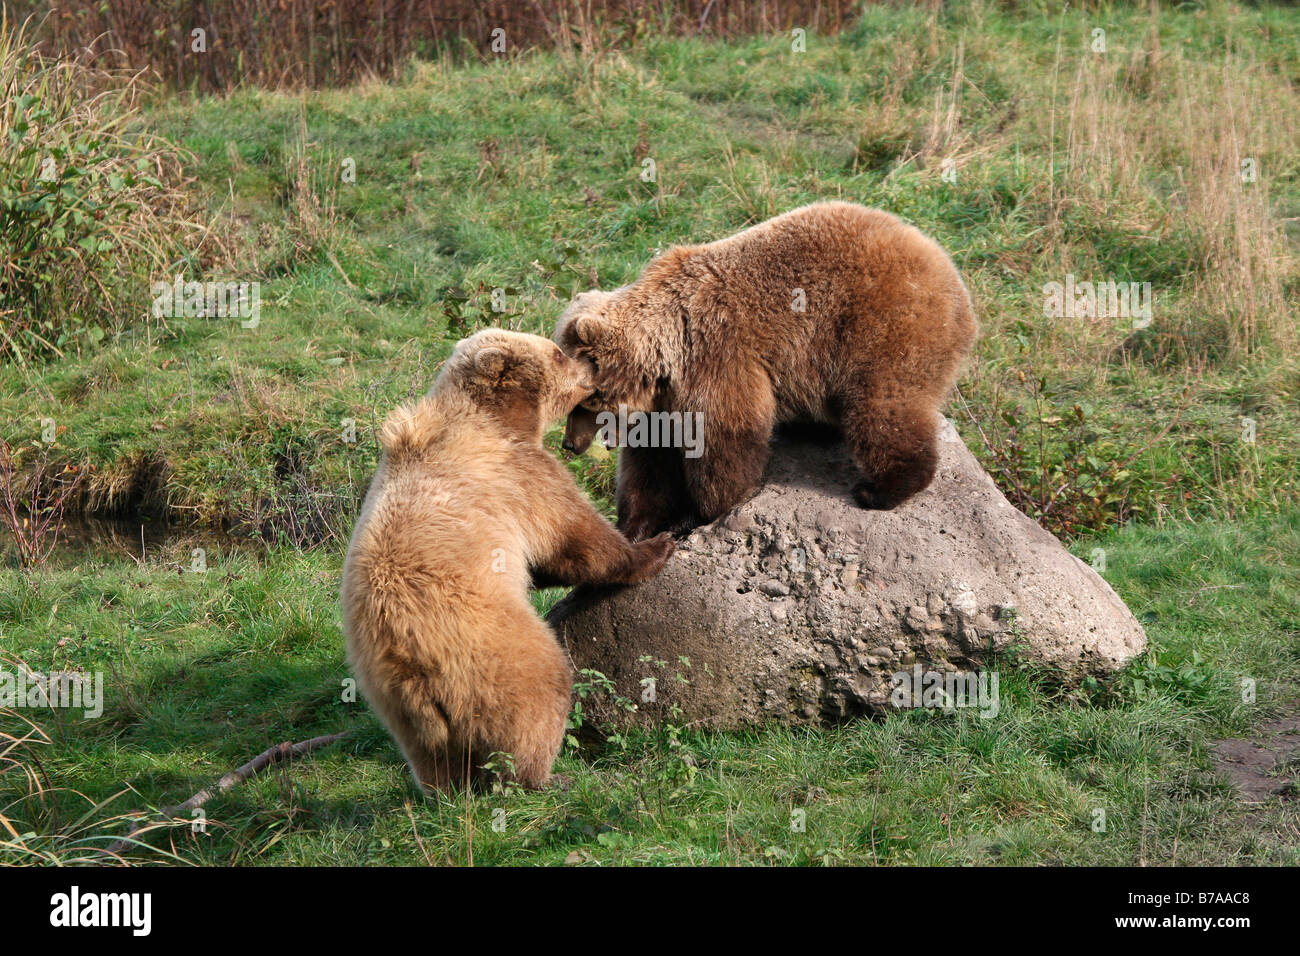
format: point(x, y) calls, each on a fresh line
point(833, 313)
point(465, 513)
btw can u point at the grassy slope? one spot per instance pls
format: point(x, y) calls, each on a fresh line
point(206, 670)
point(521, 160)
point(523, 174)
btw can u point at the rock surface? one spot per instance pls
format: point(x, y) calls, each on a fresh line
point(798, 606)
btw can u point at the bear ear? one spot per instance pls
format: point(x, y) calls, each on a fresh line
point(588, 329)
point(491, 362)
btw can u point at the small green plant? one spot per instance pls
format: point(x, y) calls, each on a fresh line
point(469, 309)
point(591, 683)
point(1190, 682)
point(674, 764)
point(1057, 463)
point(659, 740)
point(500, 768)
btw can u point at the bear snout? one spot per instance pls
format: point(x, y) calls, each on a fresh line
point(579, 430)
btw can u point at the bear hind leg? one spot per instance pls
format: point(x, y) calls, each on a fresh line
point(422, 733)
point(528, 707)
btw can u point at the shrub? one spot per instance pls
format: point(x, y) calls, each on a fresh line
point(1057, 461)
point(91, 208)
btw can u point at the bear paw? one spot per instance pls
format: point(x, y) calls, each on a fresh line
point(870, 496)
point(652, 554)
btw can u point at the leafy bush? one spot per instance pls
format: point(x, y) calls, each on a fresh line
point(1056, 462)
point(90, 210)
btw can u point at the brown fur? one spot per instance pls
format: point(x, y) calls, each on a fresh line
point(466, 511)
point(710, 329)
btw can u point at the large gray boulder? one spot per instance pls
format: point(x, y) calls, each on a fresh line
point(800, 607)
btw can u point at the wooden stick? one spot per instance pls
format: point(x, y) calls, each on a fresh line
point(268, 758)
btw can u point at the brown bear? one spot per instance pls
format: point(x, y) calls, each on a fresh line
point(833, 314)
point(465, 513)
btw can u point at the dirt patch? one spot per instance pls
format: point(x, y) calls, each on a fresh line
point(1255, 764)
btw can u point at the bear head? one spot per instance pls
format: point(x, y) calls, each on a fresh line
point(590, 331)
point(524, 381)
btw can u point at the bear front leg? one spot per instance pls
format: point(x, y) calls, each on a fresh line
point(594, 553)
point(729, 471)
point(578, 546)
point(895, 443)
point(736, 433)
point(651, 494)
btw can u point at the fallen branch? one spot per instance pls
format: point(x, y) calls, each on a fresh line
point(268, 758)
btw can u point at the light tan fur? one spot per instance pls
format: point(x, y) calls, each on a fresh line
point(711, 329)
point(465, 513)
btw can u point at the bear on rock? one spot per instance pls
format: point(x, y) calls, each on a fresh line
point(832, 314)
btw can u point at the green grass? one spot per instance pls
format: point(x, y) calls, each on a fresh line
point(204, 671)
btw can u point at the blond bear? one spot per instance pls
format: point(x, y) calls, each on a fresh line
point(466, 512)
